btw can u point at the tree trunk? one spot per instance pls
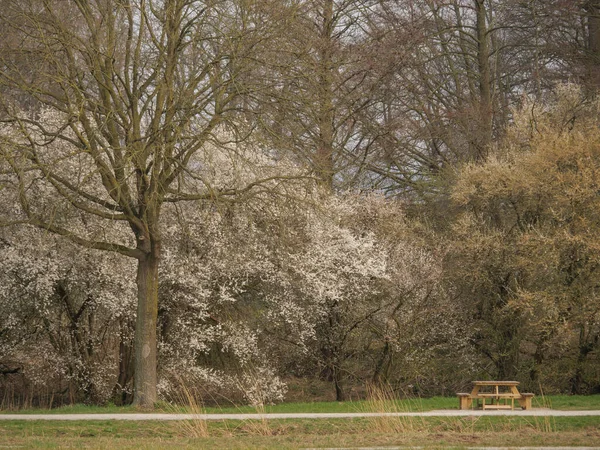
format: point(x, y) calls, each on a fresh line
point(120, 395)
point(484, 137)
point(324, 156)
point(145, 364)
point(380, 373)
point(593, 44)
point(340, 395)
point(585, 347)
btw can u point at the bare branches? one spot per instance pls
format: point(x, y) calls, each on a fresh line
point(237, 194)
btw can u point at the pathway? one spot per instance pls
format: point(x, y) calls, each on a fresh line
point(159, 416)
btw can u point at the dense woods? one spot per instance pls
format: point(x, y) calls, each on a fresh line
point(271, 199)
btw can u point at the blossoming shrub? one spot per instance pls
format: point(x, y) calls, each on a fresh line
point(63, 315)
point(527, 247)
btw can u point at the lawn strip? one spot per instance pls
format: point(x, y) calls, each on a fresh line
point(562, 402)
point(419, 431)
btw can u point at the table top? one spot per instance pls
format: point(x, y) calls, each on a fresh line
point(496, 383)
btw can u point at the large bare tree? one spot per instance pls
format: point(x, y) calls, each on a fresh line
point(115, 105)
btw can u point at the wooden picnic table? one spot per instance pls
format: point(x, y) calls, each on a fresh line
point(500, 394)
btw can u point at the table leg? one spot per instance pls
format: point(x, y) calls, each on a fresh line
point(474, 393)
point(515, 392)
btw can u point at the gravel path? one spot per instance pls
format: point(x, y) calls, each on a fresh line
point(438, 413)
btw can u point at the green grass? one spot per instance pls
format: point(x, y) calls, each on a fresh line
point(428, 432)
point(77, 409)
point(566, 402)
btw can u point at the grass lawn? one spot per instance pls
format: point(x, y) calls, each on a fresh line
point(429, 432)
point(566, 402)
point(453, 432)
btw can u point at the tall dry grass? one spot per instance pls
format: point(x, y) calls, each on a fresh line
point(260, 427)
point(382, 399)
point(545, 424)
point(196, 427)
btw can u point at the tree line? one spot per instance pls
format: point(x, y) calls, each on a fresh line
point(237, 193)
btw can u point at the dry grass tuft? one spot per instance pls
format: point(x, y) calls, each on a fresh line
point(381, 398)
point(196, 427)
point(259, 427)
point(545, 424)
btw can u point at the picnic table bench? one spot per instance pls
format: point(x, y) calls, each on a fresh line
point(501, 395)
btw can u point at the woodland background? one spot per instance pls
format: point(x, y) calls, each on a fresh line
point(271, 199)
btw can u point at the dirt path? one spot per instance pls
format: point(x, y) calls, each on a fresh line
point(152, 416)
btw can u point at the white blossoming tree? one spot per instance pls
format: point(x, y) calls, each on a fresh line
point(356, 294)
point(213, 254)
point(65, 317)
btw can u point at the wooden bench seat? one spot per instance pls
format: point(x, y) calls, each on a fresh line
point(464, 400)
point(498, 395)
point(498, 406)
point(525, 400)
